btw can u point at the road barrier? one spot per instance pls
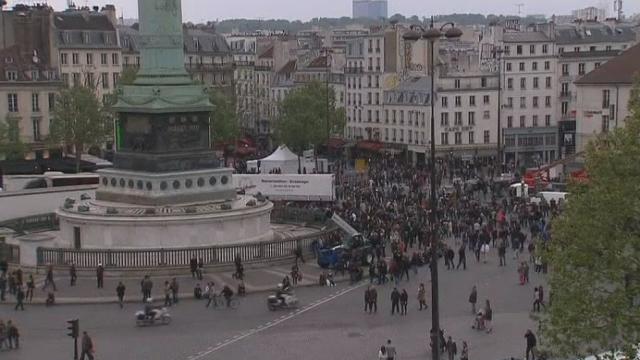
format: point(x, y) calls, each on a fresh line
point(153, 258)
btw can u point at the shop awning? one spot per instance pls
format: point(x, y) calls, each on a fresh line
point(369, 145)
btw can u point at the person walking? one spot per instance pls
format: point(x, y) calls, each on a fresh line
point(193, 266)
point(175, 288)
point(422, 297)
point(452, 348)
point(464, 354)
point(73, 275)
point(210, 293)
point(19, 299)
point(395, 301)
point(13, 335)
point(167, 293)
point(31, 286)
point(531, 345)
point(3, 286)
point(473, 299)
point(367, 300)
point(536, 300)
point(391, 350)
point(146, 285)
point(48, 280)
point(120, 289)
point(373, 297)
point(462, 257)
point(382, 353)
point(502, 253)
point(404, 300)
point(100, 275)
point(488, 316)
point(87, 347)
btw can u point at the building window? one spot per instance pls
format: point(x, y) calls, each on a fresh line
point(536, 83)
point(547, 65)
point(534, 66)
point(456, 83)
point(90, 80)
point(471, 138)
point(523, 121)
point(508, 66)
point(89, 59)
point(36, 129)
point(523, 102)
point(12, 75)
point(519, 49)
point(534, 120)
point(444, 119)
point(64, 59)
point(115, 59)
point(509, 102)
point(532, 49)
point(52, 101)
point(606, 99)
point(535, 102)
point(472, 100)
point(521, 66)
point(605, 123)
point(12, 101)
point(547, 120)
point(104, 79)
point(510, 83)
point(509, 122)
point(116, 78)
point(458, 138)
point(547, 101)
point(483, 82)
point(560, 50)
point(444, 139)
point(486, 99)
point(35, 102)
point(564, 108)
point(104, 59)
point(486, 114)
point(75, 58)
point(581, 69)
point(445, 102)
point(458, 119)
point(487, 136)
point(545, 48)
point(458, 100)
point(565, 69)
point(523, 83)
point(472, 118)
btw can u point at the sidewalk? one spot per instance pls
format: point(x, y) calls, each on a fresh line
point(86, 292)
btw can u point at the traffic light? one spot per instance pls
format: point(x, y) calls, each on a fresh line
point(74, 328)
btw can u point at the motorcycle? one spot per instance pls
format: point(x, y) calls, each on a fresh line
point(152, 317)
point(282, 301)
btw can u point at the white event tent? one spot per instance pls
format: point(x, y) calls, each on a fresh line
point(283, 159)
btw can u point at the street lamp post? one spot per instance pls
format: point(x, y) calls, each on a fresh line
point(498, 55)
point(432, 35)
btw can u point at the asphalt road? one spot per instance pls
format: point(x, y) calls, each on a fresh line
point(330, 324)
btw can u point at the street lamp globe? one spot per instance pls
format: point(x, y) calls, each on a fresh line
point(453, 33)
point(411, 35)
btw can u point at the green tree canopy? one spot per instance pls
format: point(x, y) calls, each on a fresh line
point(79, 120)
point(11, 147)
point(224, 122)
point(303, 117)
point(594, 254)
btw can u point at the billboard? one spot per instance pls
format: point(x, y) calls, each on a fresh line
point(289, 187)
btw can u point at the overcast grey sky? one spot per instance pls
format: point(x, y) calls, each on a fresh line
point(204, 10)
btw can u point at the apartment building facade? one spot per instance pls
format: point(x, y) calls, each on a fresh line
point(582, 47)
point(89, 51)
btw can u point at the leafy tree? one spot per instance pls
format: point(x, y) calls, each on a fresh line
point(224, 122)
point(11, 147)
point(594, 254)
point(303, 117)
point(79, 121)
point(128, 75)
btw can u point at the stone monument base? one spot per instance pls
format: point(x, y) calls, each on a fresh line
point(95, 224)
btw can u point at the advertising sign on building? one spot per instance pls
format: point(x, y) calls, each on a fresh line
point(288, 187)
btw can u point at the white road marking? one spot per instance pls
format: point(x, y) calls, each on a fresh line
point(271, 324)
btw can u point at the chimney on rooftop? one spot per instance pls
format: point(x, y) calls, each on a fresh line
point(110, 12)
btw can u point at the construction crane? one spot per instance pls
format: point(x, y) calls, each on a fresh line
point(520, 6)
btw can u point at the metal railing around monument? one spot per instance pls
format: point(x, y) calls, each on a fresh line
point(150, 258)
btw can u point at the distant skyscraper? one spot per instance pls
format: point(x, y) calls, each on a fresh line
point(372, 9)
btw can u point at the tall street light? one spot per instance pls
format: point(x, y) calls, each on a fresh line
point(497, 53)
point(432, 35)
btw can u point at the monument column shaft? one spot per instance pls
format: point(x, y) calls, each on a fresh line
point(161, 43)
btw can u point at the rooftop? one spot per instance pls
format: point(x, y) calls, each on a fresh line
point(82, 20)
point(525, 36)
point(24, 68)
point(593, 33)
point(619, 70)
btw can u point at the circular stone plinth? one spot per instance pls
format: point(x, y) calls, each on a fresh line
point(103, 225)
